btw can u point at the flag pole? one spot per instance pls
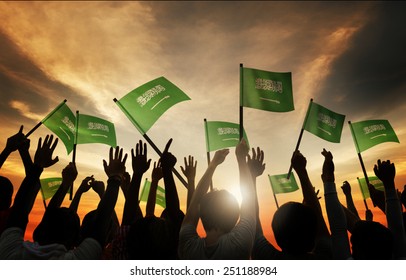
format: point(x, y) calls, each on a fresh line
point(363, 196)
point(208, 150)
point(74, 149)
point(360, 161)
point(241, 102)
point(148, 139)
point(43, 200)
point(47, 117)
point(300, 137)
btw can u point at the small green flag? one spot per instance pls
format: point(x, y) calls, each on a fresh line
point(373, 180)
point(324, 123)
point(269, 91)
point(220, 135)
point(61, 121)
point(147, 103)
point(280, 184)
point(367, 134)
point(95, 130)
point(49, 187)
point(160, 194)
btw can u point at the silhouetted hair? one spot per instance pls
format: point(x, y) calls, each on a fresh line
point(150, 238)
point(219, 209)
point(87, 227)
point(295, 227)
point(6, 193)
point(58, 225)
point(371, 241)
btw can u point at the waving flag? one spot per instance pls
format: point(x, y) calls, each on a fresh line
point(160, 194)
point(49, 187)
point(373, 180)
point(220, 135)
point(280, 184)
point(61, 121)
point(269, 91)
point(324, 123)
point(367, 134)
point(95, 130)
point(146, 104)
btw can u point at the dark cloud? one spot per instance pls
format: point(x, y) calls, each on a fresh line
point(371, 74)
point(22, 80)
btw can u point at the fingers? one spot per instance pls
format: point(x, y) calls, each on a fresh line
point(21, 129)
point(167, 146)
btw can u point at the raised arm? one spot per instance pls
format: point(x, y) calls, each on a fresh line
point(114, 170)
point(156, 177)
point(192, 213)
point(385, 171)
point(190, 172)
point(69, 174)
point(13, 144)
point(310, 198)
point(140, 165)
point(335, 213)
point(346, 187)
point(84, 187)
point(26, 194)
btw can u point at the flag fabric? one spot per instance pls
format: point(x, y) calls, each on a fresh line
point(373, 180)
point(91, 129)
point(220, 135)
point(62, 121)
point(324, 123)
point(280, 184)
point(160, 194)
point(147, 103)
point(369, 133)
point(269, 91)
point(49, 187)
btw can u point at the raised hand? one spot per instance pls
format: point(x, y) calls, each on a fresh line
point(241, 150)
point(43, 155)
point(385, 171)
point(157, 172)
point(140, 163)
point(14, 142)
point(98, 187)
point(168, 160)
point(328, 167)
point(298, 161)
point(69, 173)
point(346, 187)
point(256, 162)
point(116, 165)
point(190, 168)
point(86, 184)
point(220, 156)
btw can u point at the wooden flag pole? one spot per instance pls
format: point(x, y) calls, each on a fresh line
point(363, 197)
point(300, 137)
point(47, 117)
point(207, 150)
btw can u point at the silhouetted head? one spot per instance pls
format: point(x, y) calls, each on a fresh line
point(219, 210)
point(6, 193)
point(371, 241)
point(58, 225)
point(87, 227)
point(295, 226)
point(151, 238)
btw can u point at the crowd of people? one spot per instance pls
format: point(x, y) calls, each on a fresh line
point(232, 231)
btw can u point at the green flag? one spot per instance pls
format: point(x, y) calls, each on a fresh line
point(160, 194)
point(49, 186)
point(95, 130)
point(220, 135)
point(367, 134)
point(269, 91)
point(280, 184)
point(146, 104)
point(324, 123)
point(373, 180)
point(61, 121)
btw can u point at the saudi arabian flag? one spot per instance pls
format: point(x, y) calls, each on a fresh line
point(146, 104)
point(61, 121)
point(220, 135)
point(49, 187)
point(95, 130)
point(280, 184)
point(324, 123)
point(269, 91)
point(160, 194)
point(373, 180)
point(367, 134)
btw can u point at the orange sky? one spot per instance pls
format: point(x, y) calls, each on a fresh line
point(348, 57)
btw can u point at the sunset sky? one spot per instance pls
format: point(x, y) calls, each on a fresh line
point(347, 56)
